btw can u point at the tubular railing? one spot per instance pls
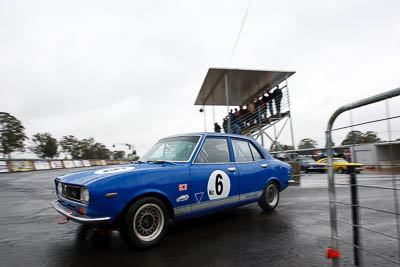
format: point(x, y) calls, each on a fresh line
point(261, 117)
point(356, 184)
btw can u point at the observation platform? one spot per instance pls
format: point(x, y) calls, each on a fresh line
point(256, 100)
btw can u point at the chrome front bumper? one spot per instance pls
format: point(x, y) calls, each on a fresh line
point(76, 217)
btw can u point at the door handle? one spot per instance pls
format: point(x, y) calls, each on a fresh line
point(264, 165)
point(231, 169)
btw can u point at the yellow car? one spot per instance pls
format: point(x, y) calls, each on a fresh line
point(340, 165)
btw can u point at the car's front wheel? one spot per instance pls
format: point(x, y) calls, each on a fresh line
point(270, 198)
point(341, 170)
point(145, 223)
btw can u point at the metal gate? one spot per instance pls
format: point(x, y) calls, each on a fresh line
point(364, 202)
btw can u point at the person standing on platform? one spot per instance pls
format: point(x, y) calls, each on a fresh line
point(231, 116)
point(277, 98)
point(225, 124)
point(242, 113)
point(250, 118)
point(237, 114)
point(232, 122)
point(267, 99)
point(235, 124)
point(217, 128)
point(258, 106)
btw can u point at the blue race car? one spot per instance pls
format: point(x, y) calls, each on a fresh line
point(181, 176)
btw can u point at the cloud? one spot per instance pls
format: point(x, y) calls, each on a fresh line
point(130, 71)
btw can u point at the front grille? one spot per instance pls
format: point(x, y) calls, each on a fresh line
point(72, 192)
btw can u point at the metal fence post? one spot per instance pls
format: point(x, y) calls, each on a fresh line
point(355, 215)
point(332, 195)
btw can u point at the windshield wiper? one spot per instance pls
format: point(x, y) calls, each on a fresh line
point(161, 162)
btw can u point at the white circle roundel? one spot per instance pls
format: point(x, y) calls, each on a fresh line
point(219, 185)
point(114, 170)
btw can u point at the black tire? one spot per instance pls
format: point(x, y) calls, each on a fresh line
point(270, 197)
point(151, 216)
point(341, 170)
point(306, 170)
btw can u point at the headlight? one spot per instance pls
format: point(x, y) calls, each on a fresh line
point(59, 188)
point(85, 197)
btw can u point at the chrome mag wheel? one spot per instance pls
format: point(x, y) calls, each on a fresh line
point(148, 222)
point(272, 194)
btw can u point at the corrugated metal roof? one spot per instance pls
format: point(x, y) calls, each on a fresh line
point(243, 85)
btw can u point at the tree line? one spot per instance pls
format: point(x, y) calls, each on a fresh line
point(44, 145)
point(352, 137)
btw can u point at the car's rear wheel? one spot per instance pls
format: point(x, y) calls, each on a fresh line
point(145, 223)
point(341, 170)
point(270, 198)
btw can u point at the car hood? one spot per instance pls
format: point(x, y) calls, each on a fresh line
point(85, 177)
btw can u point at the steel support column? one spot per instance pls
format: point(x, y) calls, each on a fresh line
point(213, 110)
point(227, 101)
point(290, 114)
point(204, 115)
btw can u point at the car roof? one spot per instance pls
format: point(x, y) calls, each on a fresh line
point(213, 134)
point(202, 134)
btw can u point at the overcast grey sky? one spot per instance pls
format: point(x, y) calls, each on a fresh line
point(129, 71)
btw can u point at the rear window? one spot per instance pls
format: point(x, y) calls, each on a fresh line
point(256, 154)
point(245, 151)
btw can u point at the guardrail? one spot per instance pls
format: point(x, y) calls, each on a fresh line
point(21, 165)
point(356, 204)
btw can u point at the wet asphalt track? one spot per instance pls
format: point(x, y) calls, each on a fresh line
point(296, 234)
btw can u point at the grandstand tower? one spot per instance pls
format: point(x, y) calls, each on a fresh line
point(238, 87)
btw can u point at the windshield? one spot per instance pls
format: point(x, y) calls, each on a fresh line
point(308, 160)
point(340, 160)
point(172, 149)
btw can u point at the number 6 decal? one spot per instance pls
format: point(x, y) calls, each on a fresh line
point(219, 185)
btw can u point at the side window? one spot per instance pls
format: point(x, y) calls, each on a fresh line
point(214, 150)
point(256, 154)
point(242, 151)
point(323, 161)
